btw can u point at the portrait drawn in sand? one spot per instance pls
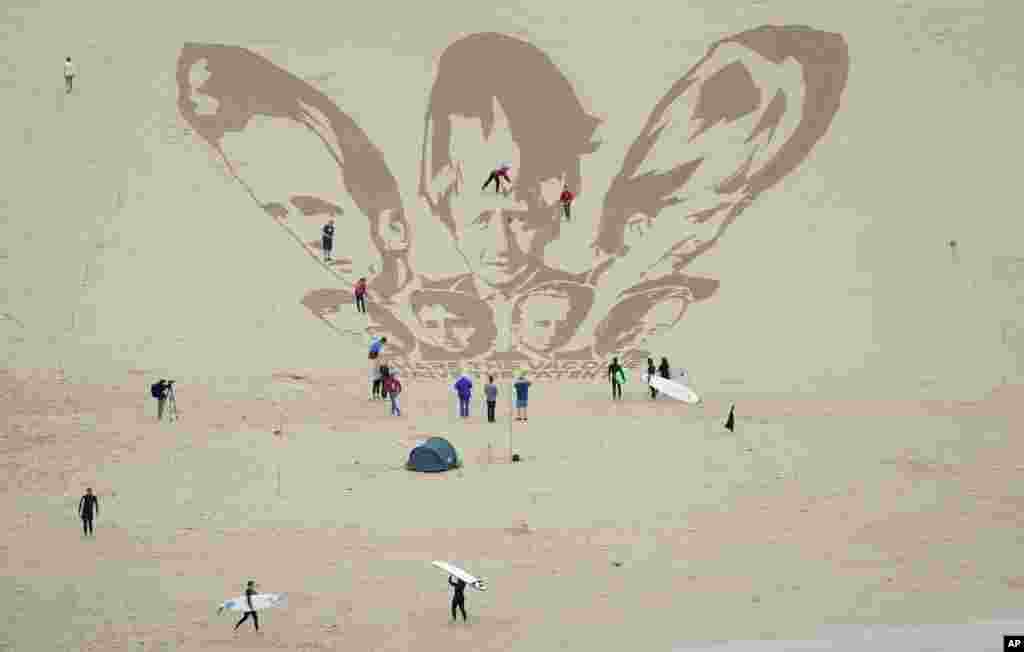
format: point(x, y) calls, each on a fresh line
point(734, 125)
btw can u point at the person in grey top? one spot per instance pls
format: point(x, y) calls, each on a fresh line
point(491, 396)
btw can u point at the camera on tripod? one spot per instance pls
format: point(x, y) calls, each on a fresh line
point(163, 391)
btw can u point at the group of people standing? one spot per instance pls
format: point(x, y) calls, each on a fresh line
point(617, 375)
point(385, 384)
point(662, 370)
point(464, 389)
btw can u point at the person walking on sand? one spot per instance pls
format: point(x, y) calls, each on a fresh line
point(651, 373)
point(496, 176)
point(615, 375)
point(69, 74)
point(458, 597)
point(393, 388)
point(360, 292)
point(522, 387)
point(566, 199)
point(327, 239)
point(663, 369)
point(491, 396)
point(88, 507)
point(250, 590)
point(464, 388)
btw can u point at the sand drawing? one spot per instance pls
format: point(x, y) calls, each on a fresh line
point(734, 125)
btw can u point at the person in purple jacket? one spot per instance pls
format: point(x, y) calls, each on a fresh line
point(464, 388)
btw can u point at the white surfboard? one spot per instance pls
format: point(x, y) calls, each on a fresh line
point(676, 390)
point(260, 601)
point(455, 571)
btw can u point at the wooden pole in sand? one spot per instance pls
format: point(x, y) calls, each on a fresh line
point(512, 412)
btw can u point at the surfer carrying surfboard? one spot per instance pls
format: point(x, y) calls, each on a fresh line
point(651, 370)
point(250, 590)
point(459, 597)
point(617, 375)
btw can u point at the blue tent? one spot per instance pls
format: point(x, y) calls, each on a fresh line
point(433, 456)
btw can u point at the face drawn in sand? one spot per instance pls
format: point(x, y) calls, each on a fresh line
point(734, 125)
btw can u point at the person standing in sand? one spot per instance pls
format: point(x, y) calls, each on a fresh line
point(376, 346)
point(615, 375)
point(393, 388)
point(88, 506)
point(69, 74)
point(522, 387)
point(663, 369)
point(327, 239)
point(491, 397)
point(360, 293)
point(458, 597)
point(385, 375)
point(566, 200)
point(464, 388)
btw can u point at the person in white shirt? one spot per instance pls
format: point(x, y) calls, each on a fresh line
point(69, 74)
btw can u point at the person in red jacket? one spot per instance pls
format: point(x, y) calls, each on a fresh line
point(566, 198)
point(360, 292)
point(393, 388)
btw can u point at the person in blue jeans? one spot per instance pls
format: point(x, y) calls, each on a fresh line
point(464, 388)
point(393, 388)
point(522, 387)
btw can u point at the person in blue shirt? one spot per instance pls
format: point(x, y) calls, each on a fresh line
point(522, 387)
point(464, 388)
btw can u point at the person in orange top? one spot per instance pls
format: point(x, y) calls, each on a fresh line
point(566, 198)
point(360, 292)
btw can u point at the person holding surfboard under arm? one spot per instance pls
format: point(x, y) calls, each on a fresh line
point(616, 375)
point(250, 590)
point(651, 370)
point(459, 597)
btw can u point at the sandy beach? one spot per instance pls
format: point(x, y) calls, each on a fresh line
point(862, 314)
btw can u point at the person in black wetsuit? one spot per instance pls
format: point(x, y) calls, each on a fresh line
point(614, 371)
point(651, 372)
point(88, 507)
point(250, 590)
point(459, 597)
point(663, 369)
